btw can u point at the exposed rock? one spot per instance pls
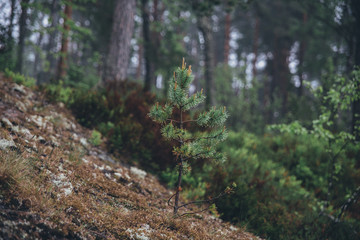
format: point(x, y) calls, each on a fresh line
point(84, 142)
point(4, 144)
point(21, 130)
point(140, 234)
point(38, 120)
point(19, 88)
point(105, 157)
point(62, 182)
point(138, 172)
point(7, 122)
point(21, 106)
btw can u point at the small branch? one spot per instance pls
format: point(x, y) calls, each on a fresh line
point(173, 120)
point(209, 137)
point(353, 199)
point(332, 170)
point(170, 200)
point(189, 213)
point(204, 201)
point(197, 155)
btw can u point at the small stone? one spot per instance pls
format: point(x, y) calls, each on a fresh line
point(105, 157)
point(84, 142)
point(119, 175)
point(19, 88)
point(7, 122)
point(138, 172)
point(21, 106)
point(38, 120)
point(6, 144)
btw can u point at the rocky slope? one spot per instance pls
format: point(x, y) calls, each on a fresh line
point(55, 185)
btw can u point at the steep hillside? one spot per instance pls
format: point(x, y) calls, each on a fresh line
point(54, 184)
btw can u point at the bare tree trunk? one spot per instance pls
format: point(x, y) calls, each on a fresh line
point(119, 50)
point(178, 185)
point(302, 49)
point(47, 75)
point(63, 65)
point(355, 8)
point(255, 46)
point(281, 71)
point(204, 25)
point(139, 66)
point(148, 51)
point(22, 35)
point(37, 55)
point(227, 37)
point(11, 24)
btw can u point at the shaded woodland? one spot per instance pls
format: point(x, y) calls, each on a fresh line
point(286, 70)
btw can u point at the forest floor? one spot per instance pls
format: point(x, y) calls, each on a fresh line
point(54, 184)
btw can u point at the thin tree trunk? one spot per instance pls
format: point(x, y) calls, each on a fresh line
point(139, 66)
point(227, 37)
point(46, 75)
point(302, 49)
point(204, 25)
point(120, 42)
point(37, 55)
point(255, 46)
point(149, 71)
point(355, 7)
point(63, 64)
point(22, 35)
point(178, 186)
point(281, 72)
point(11, 24)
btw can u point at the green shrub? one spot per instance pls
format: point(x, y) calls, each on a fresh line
point(59, 92)
point(119, 113)
point(95, 138)
point(282, 181)
point(20, 78)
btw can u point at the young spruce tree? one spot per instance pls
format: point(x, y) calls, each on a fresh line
point(189, 146)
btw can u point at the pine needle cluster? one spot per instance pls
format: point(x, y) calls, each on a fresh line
point(190, 146)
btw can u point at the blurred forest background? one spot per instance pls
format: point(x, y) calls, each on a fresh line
point(285, 69)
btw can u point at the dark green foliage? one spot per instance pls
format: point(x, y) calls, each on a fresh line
point(188, 146)
point(20, 78)
point(295, 184)
point(282, 183)
point(120, 114)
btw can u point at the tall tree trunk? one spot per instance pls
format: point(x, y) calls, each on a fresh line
point(204, 25)
point(355, 8)
point(119, 50)
point(227, 37)
point(255, 46)
point(149, 77)
point(22, 35)
point(139, 66)
point(11, 20)
point(37, 54)
point(301, 56)
point(47, 75)
point(63, 64)
point(281, 71)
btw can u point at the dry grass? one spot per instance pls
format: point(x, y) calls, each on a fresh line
point(14, 171)
point(66, 191)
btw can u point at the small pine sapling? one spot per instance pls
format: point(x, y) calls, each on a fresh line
point(190, 146)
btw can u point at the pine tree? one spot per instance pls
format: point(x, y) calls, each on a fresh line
point(189, 146)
